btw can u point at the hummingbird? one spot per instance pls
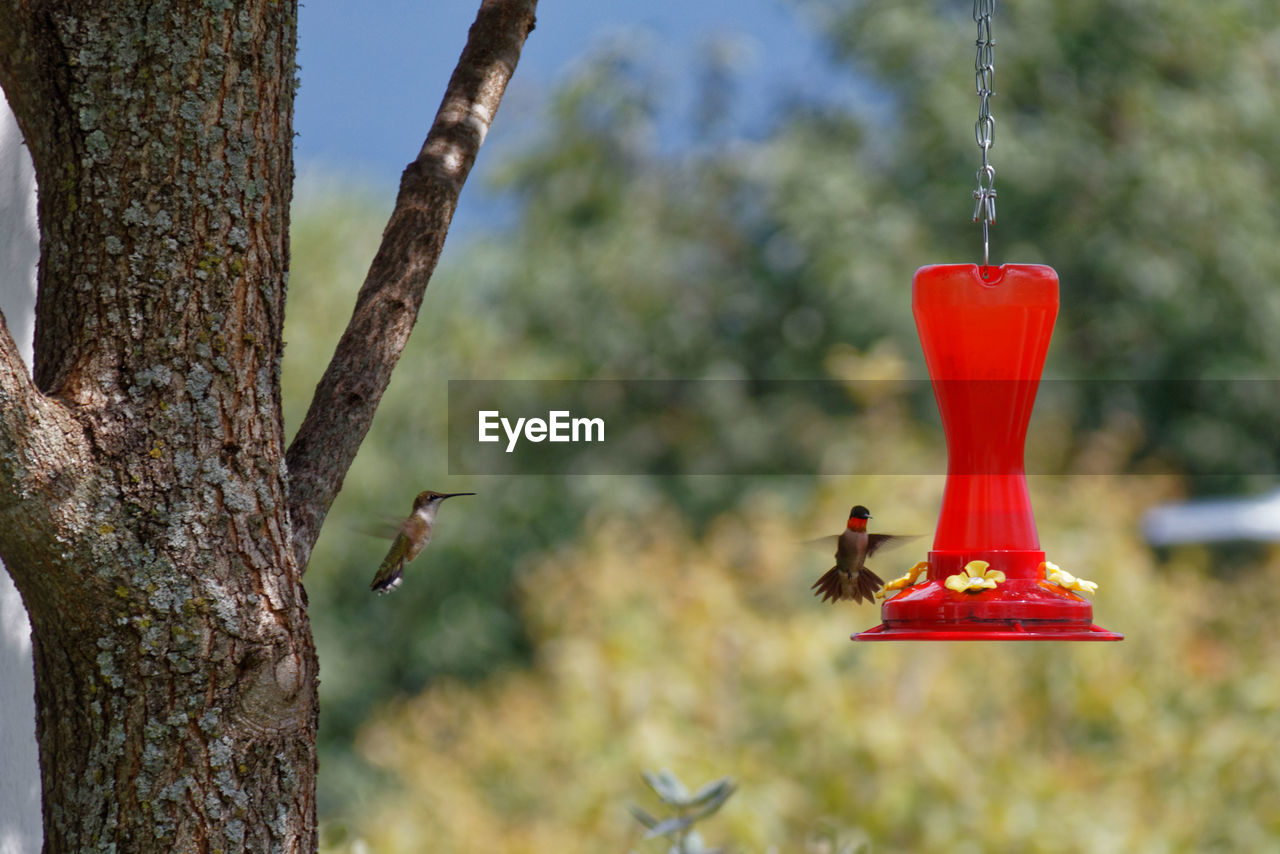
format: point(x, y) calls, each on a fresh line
point(850, 578)
point(411, 538)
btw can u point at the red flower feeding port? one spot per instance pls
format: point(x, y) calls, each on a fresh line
point(985, 333)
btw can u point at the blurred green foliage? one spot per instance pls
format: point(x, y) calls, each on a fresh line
point(1136, 153)
point(707, 654)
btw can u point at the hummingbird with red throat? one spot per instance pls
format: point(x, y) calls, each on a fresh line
point(411, 538)
point(850, 578)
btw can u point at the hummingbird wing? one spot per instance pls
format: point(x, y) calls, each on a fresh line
point(384, 527)
point(875, 542)
point(391, 572)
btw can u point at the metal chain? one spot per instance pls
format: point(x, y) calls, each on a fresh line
point(984, 130)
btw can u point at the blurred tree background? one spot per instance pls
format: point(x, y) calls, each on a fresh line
point(563, 633)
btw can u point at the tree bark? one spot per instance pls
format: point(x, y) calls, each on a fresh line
point(144, 495)
point(143, 515)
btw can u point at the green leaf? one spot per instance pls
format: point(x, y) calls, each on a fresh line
point(643, 817)
point(721, 789)
point(669, 826)
point(714, 801)
point(668, 787)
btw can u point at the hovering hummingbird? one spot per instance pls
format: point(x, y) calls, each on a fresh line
point(411, 539)
point(850, 578)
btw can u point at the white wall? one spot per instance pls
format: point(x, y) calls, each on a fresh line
point(20, 826)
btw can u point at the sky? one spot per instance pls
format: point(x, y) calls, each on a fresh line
point(371, 81)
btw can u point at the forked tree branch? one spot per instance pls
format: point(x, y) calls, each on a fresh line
point(19, 403)
point(386, 309)
point(34, 430)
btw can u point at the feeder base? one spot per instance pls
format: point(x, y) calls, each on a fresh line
point(1021, 608)
point(986, 631)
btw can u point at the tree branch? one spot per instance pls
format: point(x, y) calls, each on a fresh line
point(18, 396)
point(34, 429)
point(348, 394)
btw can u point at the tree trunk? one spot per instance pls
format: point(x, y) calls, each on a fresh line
point(144, 511)
point(147, 515)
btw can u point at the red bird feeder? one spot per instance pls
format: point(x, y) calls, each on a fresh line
point(985, 333)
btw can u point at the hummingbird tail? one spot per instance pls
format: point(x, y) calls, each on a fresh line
point(834, 586)
point(828, 586)
point(866, 585)
point(388, 578)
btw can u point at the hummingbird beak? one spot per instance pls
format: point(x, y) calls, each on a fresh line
point(454, 495)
